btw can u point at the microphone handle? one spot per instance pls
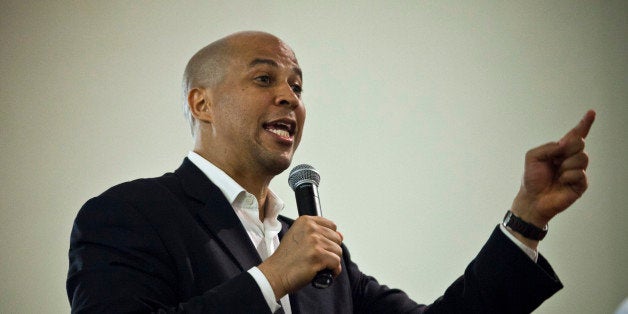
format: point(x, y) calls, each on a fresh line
point(308, 203)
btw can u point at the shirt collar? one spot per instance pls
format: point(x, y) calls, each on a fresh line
point(231, 189)
point(274, 205)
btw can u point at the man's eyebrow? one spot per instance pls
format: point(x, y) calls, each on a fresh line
point(274, 64)
point(263, 61)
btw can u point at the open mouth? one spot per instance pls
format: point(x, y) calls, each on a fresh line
point(283, 128)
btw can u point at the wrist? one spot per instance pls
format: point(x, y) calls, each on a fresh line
point(274, 280)
point(522, 207)
point(529, 231)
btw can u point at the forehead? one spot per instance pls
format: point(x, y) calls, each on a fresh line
point(264, 51)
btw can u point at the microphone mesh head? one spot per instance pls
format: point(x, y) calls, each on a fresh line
point(303, 173)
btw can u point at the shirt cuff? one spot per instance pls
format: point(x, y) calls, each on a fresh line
point(267, 290)
point(533, 254)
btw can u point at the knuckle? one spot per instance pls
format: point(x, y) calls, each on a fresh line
point(339, 254)
point(529, 154)
point(309, 225)
point(314, 256)
point(332, 225)
point(577, 144)
point(320, 252)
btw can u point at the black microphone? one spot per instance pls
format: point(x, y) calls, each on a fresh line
point(304, 181)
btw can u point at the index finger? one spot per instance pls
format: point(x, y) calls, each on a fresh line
point(582, 129)
point(325, 222)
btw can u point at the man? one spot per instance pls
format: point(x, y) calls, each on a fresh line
point(208, 238)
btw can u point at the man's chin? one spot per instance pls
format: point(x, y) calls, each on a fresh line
point(276, 166)
point(282, 167)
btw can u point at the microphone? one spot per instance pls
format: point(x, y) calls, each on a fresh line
point(304, 181)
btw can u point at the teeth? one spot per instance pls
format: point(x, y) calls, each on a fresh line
point(282, 133)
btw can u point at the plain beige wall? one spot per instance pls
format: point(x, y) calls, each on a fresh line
point(419, 114)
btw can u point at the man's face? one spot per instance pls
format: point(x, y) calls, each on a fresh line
point(257, 111)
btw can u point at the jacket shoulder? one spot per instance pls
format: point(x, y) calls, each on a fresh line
point(142, 188)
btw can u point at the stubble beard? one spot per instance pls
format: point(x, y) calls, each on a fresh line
point(273, 164)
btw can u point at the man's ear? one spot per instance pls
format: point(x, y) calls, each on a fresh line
point(199, 102)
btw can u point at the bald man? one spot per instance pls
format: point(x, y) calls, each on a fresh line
point(208, 238)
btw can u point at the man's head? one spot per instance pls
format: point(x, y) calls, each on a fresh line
point(244, 102)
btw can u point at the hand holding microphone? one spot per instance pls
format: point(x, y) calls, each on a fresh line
point(311, 247)
point(304, 181)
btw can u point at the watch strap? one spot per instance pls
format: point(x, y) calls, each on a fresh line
point(526, 229)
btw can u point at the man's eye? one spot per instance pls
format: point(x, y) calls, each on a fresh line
point(297, 89)
point(265, 79)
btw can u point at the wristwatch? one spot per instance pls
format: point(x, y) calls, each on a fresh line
point(526, 229)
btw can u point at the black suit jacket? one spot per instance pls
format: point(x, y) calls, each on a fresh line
point(174, 244)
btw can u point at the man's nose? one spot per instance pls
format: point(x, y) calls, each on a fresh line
point(286, 96)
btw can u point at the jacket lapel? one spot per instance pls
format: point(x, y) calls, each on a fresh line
point(218, 216)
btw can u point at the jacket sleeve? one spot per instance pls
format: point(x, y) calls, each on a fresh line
point(501, 279)
point(118, 264)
